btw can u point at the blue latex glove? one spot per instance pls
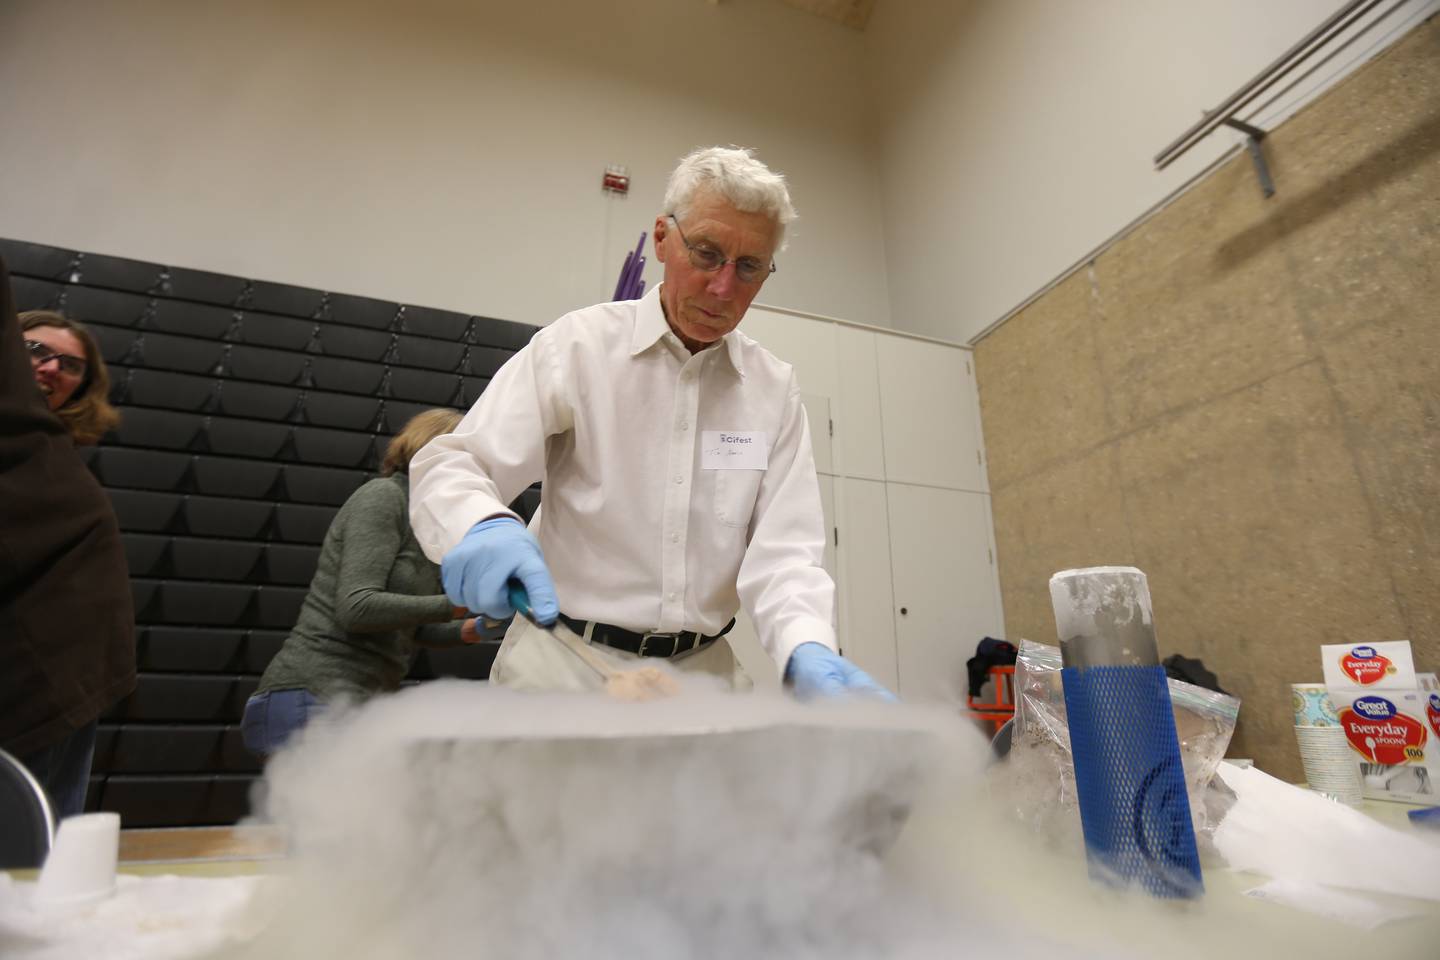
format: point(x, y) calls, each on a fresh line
point(815, 670)
point(477, 571)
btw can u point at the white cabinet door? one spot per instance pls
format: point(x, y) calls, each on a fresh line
point(944, 585)
point(867, 614)
point(928, 409)
point(807, 345)
point(859, 440)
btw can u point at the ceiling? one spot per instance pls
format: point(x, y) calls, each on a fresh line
point(851, 13)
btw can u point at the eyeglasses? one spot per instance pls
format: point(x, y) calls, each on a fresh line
point(707, 258)
point(41, 353)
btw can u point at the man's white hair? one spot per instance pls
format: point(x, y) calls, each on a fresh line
point(733, 173)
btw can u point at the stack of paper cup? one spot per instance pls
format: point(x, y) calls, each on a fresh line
point(81, 865)
point(1331, 767)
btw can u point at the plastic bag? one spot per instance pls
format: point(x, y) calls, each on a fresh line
point(1040, 774)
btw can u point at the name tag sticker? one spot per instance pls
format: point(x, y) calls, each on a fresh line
point(733, 450)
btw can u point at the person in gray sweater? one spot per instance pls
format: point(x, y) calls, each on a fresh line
point(374, 599)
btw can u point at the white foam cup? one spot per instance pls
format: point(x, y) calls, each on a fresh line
point(81, 865)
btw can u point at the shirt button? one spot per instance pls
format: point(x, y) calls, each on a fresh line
point(672, 595)
point(684, 424)
point(674, 538)
point(679, 479)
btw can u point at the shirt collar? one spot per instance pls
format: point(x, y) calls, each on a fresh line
point(650, 326)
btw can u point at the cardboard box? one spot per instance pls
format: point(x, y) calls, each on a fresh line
point(1390, 722)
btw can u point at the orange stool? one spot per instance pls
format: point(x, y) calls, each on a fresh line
point(1001, 705)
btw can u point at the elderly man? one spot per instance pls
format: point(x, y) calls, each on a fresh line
point(679, 481)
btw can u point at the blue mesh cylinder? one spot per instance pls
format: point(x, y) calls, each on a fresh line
point(1131, 785)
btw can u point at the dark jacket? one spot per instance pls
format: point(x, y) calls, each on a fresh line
point(67, 623)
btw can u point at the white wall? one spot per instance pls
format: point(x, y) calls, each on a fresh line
point(442, 152)
point(1015, 136)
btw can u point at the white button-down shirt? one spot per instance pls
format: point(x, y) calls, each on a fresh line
point(607, 408)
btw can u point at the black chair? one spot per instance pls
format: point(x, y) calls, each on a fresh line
point(27, 825)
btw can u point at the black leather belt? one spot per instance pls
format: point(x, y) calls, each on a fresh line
point(645, 644)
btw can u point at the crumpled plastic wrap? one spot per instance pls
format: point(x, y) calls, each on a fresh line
point(1039, 773)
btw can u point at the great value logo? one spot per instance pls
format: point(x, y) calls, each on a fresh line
point(1432, 712)
point(1382, 734)
point(1366, 665)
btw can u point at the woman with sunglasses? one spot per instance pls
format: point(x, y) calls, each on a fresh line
point(70, 373)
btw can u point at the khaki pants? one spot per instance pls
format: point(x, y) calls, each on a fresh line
point(532, 659)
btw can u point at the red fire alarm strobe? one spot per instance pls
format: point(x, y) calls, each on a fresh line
point(616, 180)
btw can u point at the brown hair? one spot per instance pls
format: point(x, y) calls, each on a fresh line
point(418, 431)
point(87, 415)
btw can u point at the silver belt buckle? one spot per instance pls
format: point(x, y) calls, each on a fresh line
point(673, 637)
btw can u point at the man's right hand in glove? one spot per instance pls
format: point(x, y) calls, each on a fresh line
point(478, 569)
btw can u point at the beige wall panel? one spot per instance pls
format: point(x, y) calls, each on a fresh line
point(1387, 379)
point(1041, 386)
point(1250, 521)
point(1357, 212)
point(1273, 369)
point(1069, 515)
point(1180, 321)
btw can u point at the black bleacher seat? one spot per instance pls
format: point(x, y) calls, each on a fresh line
point(117, 273)
point(504, 334)
point(149, 469)
point(290, 563)
point(32, 294)
point(226, 517)
point(278, 607)
point(260, 645)
point(147, 554)
point(166, 429)
point(429, 353)
point(184, 698)
point(441, 324)
point(91, 305)
point(207, 604)
point(422, 386)
point(241, 438)
point(205, 287)
point(198, 559)
point(233, 477)
point(194, 800)
point(142, 595)
point(204, 649)
point(37, 259)
point(346, 376)
point(189, 319)
point(322, 485)
point(234, 755)
point(354, 343)
point(333, 448)
point(246, 362)
point(271, 330)
point(362, 311)
point(255, 401)
point(207, 649)
point(168, 748)
point(485, 361)
point(400, 411)
point(146, 511)
point(143, 387)
point(283, 298)
point(334, 410)
point(301, 523)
